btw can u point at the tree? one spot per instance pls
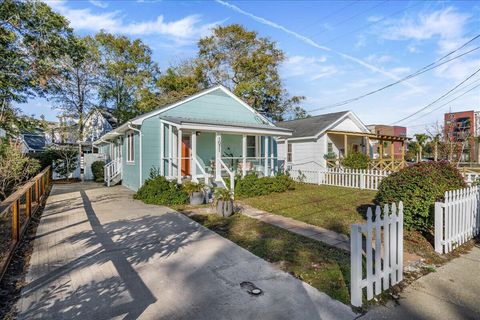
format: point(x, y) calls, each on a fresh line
point(15, 167)
point(128, 75)
point(32, 37)
point(74, 86)
point(248, 65)
point(65, 159)
point(421, 139)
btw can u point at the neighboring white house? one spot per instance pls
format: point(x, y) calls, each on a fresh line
point(313, 138)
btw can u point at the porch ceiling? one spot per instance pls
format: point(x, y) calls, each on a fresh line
point(224, 126)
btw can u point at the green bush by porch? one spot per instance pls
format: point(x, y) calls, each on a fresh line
point(251, 185)
point(158, 190)
point(419, 186)
point(98, 171)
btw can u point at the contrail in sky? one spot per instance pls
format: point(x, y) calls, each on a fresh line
point(313, 43)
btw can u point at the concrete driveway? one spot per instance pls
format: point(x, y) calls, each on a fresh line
point(99, 254)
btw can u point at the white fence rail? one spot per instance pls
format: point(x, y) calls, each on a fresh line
point(342, 177)
point(457, 219)
point(383, 251)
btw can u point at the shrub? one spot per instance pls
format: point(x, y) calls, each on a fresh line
point(356, 160)
point(251, 185)
point(191, 187)
point(158, 190)
point(419, 186)
point(97, 170)
point(65, 159)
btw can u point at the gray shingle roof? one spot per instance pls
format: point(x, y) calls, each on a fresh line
point(311, 126)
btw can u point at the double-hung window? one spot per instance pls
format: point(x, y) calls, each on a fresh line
point(289, 152)
point(251, 146)
point(130, 147)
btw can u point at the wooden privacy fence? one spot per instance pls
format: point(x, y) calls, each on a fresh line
point(382, 251)
point(342, 177)
point(16, 211)
point(457, 219)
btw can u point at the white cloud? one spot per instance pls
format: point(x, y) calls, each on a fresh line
point(400, 70)
point(446, 23)
point(100, 4)
point(458, 70)
point(312, 43)
point(380, 58)
point(189, 27)
point(310, 68)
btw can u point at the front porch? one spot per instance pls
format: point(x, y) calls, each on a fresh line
point(211, 152)
point(385, 152)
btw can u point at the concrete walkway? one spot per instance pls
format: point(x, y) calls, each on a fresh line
point(326, 236)
point(450, 293)
point(99, 254)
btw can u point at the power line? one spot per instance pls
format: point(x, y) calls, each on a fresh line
point(440, 98)
point(443, 105)
point(351, 17)
point(371, 24)
point(420, 71)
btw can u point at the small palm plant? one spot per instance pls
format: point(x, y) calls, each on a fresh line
point(223, 201)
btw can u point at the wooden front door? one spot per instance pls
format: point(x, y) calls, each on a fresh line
point(185, 155)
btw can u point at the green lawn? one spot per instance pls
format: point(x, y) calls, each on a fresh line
point(329, 207)
point(324, 267)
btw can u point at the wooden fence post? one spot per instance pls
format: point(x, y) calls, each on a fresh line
point(438, 227)
point(28, 202)
point(356, 265)
point(16, 220)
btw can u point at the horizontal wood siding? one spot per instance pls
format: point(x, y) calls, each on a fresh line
point(216, 106)
point(130, 174)
point(150, 146)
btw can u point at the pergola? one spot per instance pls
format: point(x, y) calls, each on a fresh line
point(381, 163)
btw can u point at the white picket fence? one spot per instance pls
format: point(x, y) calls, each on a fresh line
point(383, 251)
point(342, 177)
point(457, 219)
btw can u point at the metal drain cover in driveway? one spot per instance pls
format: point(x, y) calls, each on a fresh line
point(251, 288)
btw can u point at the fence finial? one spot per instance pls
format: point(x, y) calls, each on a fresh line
point(394, 209)
point(378, 213)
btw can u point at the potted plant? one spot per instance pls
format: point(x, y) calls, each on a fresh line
point(195, 191)
point(223, 202)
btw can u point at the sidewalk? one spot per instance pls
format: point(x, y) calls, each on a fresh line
point(450, 293)
point(326, 236)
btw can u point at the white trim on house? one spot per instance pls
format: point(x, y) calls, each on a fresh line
point(139, 120)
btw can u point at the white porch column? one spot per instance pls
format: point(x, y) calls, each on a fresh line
point(218, 156)
point(285, 163)
point(162, 148)
point(266, 155)
point(193, 157)
point(170, 150)
point(244, 155)
point(179, 156)
point(272, 160)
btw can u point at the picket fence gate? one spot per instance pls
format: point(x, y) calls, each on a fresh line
point(383, 253)
point(457, 219)
point(342, 177)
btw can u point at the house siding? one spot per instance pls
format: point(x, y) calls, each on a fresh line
point(130, 171)
point(150, 146)
point(215, 106)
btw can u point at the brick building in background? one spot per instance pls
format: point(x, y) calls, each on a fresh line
point(463, 127)
point(381, 129)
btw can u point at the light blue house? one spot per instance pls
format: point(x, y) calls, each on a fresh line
point(208, 136)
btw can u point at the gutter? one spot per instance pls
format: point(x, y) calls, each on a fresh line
point(140, 150)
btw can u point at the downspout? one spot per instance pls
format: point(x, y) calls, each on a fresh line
point(140, 150)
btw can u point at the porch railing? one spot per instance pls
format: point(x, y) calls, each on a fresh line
point(231, 175)
point(112, 170)
point(17, 210)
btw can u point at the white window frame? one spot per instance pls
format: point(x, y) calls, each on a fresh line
point(130, 147)
point(289, 152)
point(255, 147)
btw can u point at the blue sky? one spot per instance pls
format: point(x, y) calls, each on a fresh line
point(335, 50)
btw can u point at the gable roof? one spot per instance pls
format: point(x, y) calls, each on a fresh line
point(311, 126)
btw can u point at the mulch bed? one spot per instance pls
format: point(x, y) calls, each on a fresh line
point(14, 278)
